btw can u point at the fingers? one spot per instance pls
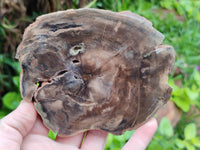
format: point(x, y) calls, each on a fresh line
point(142, 136)
point(73, 140)
point(16, 125)
point(39, 142)
point(94, 140)
point(39, 128)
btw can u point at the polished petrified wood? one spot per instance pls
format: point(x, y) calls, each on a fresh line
point(94, 69)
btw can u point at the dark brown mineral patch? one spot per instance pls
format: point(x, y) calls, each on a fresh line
point(97, 69)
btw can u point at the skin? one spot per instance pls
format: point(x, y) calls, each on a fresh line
point(22, 129)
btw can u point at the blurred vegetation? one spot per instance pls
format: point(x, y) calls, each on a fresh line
point(178, 20)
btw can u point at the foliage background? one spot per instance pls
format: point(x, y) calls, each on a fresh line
point(178, 20)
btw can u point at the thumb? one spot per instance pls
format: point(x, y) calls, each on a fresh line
point(16, 125)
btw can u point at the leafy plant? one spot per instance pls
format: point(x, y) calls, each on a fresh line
point(188, 8)
point(188, 94)
point(11, 99)
point(191, 141)
point(166, 139)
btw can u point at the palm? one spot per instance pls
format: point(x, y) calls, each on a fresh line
point(38, 139)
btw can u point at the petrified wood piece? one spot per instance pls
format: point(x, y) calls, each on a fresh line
point(96, 69)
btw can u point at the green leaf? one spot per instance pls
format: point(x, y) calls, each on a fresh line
point(8, 25)
point(165, 127)
point(91, 4)
point(189, 146)
point(3, 112)
point(196, 76)
point(16, 81)
point(11, 100)
point(52, 135)
point(190, 131)
point(16, 66)
point(182, 103)
point(128, 134)
point(173, 85)
point(155, 145)
point(168, 4)
point(2, 31)
point(117, 142)
point(195, 141)
point(193, 95)
point(109, 140)
point(116, 148)
point(180, 143)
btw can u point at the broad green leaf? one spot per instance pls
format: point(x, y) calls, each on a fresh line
point(195, 141)
point(16, 66)
point(120, 138)
point(16, 81)
point(116, 141)
point(189, 146)
point(173, 85)
point(190, 131)
point(11, 100)
point(154, 145)
point(167, 4)
point(193, 95)
point(52, 135)
point(109, 140)
point(165, 127)
point(183, 104)
point(180, 143)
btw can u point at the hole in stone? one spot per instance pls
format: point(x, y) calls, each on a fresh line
point(80, 48)
point(62, 72)
point(76, 48)
point(33, 99)
point(75, 61)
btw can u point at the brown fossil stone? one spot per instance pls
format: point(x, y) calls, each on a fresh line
point(97, 69)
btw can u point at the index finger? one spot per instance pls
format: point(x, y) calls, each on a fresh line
point(142, 136)
point(94, 140)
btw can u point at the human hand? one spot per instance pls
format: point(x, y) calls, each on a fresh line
point(22, 129)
